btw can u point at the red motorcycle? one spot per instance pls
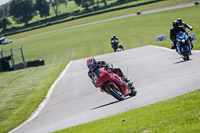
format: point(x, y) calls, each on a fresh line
point(112, 84)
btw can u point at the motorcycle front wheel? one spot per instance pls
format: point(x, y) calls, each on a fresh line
point(116, 93)
point(185, 53)
point(133, 91)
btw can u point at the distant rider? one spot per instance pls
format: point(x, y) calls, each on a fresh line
point(93, 65)
point(185, 25)
point(120, 48)
point(113, 43)
point(173, 32)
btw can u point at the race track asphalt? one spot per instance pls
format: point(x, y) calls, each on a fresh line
point(157, 73)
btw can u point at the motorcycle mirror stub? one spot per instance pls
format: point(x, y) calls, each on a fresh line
point(161, 38)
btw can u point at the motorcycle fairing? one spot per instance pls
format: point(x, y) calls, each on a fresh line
point(182, 49)
point(101, 76)
point(181, 37)
point(120, 84)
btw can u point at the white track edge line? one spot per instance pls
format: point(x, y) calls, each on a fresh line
point(161, 47)
point(43, 103)
point(170, 49)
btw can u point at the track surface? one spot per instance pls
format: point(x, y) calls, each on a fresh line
point(158, 74)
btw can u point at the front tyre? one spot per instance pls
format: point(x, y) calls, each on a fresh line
point(133, 91)
point(116, 93)
point(185, 53)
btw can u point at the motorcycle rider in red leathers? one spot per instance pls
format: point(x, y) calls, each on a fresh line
point(93, 65)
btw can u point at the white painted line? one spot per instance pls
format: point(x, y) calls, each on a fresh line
point(161, 48)
point(43, 103)
point(171, 49)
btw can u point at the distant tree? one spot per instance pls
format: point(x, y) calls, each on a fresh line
point(101, 1)
point(4, 23)
point(22, 10)
point(56, 3)
point(78, 2)
point(4, 10)
point(43, 7)
point(97, 2)
point(105, 2)
point(84, 3)
point(1, 13)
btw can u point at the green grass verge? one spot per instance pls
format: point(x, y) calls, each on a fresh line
point(21, 91)
point(177, 115)
point(71, 7)
point(161, 4)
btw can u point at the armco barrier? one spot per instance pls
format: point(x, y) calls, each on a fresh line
point(5, 63)
point(19, 66)
point(35, 63)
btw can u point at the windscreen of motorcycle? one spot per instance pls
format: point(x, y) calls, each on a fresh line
point(181, 37)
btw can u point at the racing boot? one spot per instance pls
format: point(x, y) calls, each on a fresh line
point(128, 82)
point(173, 45)
point(192, 45)
point(176, 49)
point(190, 40)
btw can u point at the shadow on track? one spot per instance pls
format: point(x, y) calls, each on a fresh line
point(182, 61)
point(108, 104)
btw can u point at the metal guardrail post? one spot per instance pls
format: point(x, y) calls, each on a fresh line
point(12, 60)
point(22, 55)
point(1, 53)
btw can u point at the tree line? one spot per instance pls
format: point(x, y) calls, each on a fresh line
point(22, 11)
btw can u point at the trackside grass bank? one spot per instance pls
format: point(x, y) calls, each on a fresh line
point(71, 7)
point(161, 4)
point(177, 115)
point(21, 91)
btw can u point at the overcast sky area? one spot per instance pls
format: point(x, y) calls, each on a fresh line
point(3, 2)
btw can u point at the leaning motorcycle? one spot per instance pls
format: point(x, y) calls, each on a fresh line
point(183, 45)
point(112, 84)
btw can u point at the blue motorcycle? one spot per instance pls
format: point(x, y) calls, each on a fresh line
point(183, 45)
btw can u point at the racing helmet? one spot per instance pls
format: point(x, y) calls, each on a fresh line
point(179, 21)
point(91, 63)
point(175, 24)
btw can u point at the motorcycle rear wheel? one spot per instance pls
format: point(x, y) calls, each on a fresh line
point(116, 93)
